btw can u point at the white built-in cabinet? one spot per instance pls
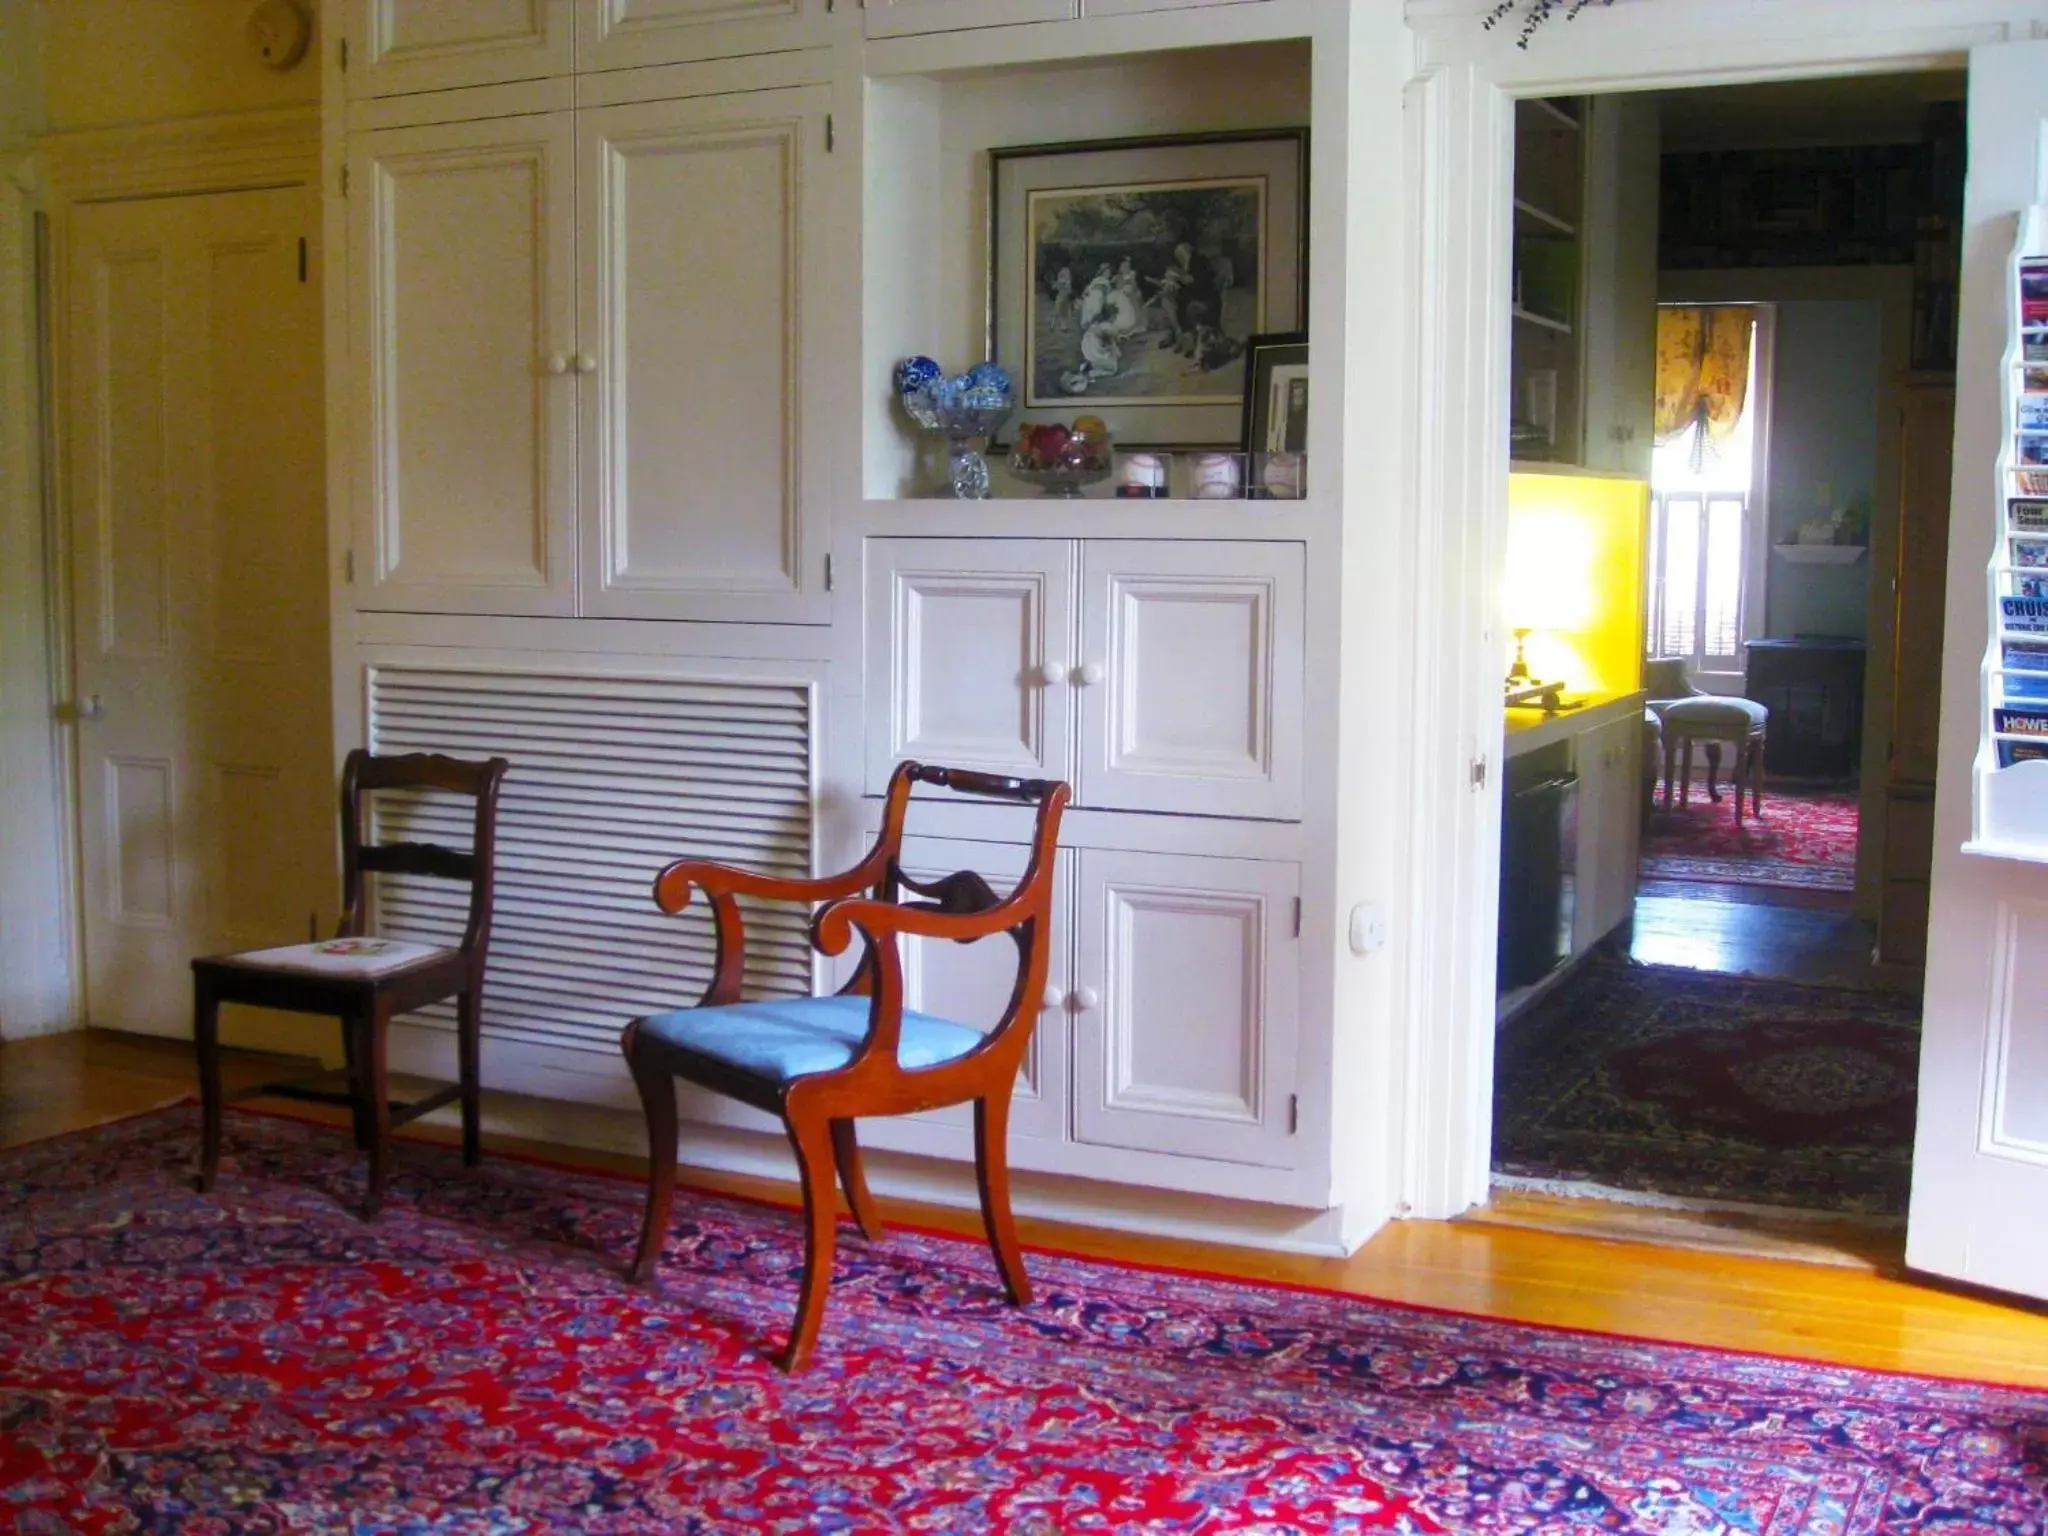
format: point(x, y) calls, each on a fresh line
point(897, 18)
point(1168, 1022)
point(1608, 759)
point(396, 47)
point(584, 360)
point(1155, 675)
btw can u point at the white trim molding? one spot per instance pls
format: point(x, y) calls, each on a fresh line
point(228, 153)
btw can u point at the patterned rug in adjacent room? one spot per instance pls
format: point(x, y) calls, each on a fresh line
point(1702, 1086)
point(1805, 839)
point(260, 1360)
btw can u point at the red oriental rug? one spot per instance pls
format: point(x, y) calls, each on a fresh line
point(1801, 839)
point(261, 1360)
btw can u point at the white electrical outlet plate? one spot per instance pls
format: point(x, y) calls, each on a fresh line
point(1368, 928)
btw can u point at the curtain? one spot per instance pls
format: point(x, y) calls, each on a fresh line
point(1702, 370)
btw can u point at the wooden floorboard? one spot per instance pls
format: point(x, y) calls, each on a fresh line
point(1869, 1314)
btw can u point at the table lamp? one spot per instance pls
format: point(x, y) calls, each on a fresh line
point(1549, 580)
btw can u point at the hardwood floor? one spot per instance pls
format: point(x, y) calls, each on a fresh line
point(1871, 1315)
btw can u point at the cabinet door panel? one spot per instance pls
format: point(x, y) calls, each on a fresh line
point(431, 45)
point(1186, 983)
point(971, 983)
point(896, 18)
point(960, 634)
point(627, 34)
point(1609, 828)
point(461, 289)
point(1197, 706)
point(699, 227)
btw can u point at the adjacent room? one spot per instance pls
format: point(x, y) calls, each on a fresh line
point(753, 774)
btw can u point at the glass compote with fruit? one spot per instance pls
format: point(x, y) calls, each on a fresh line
point(1061, 460)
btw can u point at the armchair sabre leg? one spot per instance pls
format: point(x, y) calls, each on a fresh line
point(658, 1102)
point(812, 1138)
point(992, 1175)
point(854, 1180)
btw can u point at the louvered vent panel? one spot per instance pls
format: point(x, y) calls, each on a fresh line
point(611, 778)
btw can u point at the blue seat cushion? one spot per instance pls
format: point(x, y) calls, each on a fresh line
point(790, 1037)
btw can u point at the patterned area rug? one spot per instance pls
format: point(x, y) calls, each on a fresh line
point(260, 1360)
point(1708, 1087)
point(1801, 839)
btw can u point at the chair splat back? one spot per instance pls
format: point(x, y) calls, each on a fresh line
point(362, 775)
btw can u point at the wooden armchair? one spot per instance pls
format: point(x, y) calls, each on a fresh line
point(367, 991)
point(819, 1062)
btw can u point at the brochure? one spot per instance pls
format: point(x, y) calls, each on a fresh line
point(2020, 722)
point(2030, 552)
point(2024, 655)
point(2027, 516)
point(2029, 686)
point(2024, 615)
point(2010, 752)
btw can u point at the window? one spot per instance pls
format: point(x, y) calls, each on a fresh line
point(1706, 489)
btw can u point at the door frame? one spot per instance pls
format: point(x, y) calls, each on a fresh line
point(242, 152)
point(1460, 158)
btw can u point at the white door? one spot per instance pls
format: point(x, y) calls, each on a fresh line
point(431, 45)
point(895, 18)
point(199, 606)
point(626, 34)
point(1190, 677)
point(1980, 1154)
point(706, 241)
point(1186, 974)
point(968, 650)
point(463, 323)
point(971, 983)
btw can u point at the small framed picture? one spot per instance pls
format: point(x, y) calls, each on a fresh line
point(1127, 276)
point(1276, 393)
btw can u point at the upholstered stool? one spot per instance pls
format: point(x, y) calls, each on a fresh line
point(1714, 718)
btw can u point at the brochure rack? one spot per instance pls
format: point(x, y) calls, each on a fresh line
point(2012, 765)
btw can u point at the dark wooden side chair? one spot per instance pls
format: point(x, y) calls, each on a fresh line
point(819, 1062)
point(365, 995)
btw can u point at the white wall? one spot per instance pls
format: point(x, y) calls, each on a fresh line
point(1824, 422)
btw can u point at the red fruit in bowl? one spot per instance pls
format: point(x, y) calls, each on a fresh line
point(1052, 439)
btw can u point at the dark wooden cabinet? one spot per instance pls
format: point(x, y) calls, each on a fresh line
point(1813, 687)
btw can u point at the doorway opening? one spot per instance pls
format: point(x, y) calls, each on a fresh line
point(1721, 1023)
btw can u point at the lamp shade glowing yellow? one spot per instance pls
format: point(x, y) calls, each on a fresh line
point(1575, 576)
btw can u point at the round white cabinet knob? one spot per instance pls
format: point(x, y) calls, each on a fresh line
point(557, 363)
point(1052, 674)
point(1053, 998)
point(1087, 674)
point(585, 363)
point(1085, 999)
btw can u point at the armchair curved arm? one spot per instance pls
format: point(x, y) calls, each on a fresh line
point(672, 886)
point(832, 928)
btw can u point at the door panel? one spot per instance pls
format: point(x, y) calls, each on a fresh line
point(962, 636)
point(431, 45)
point(699, 222)
point(199, 590)
point(1194, 662)
point(1185, 1002)
point(1980, 1151)
point(626, 34)
point(461, 309)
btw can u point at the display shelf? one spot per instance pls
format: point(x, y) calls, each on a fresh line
point(2011, 801)
point(1532, 220)
point(1562, 327)
point(1088, 518)
point(1820, 554)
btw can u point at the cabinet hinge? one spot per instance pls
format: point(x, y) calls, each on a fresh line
point(348, 567)
point(302, 258)
point(1297, 917)
point(1479, 773)
point(1293, 1113)
point(344, 55)
point(831, 137)
point(828, 573)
